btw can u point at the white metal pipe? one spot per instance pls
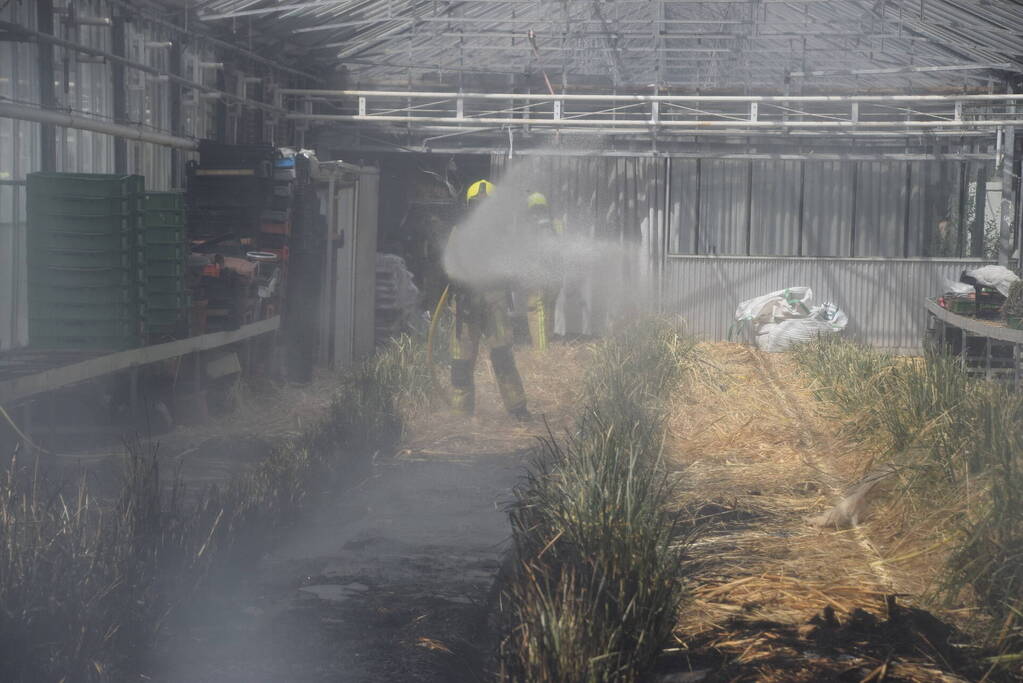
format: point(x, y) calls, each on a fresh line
point(92, 21)
point(541, 97)
point(640, 134)
point(902, 70)
point(601, 152)
point(642, 124)
point(68, 120)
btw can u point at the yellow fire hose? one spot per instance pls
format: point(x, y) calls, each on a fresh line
point(433, 324)
point(32, 444)
point(22, 434)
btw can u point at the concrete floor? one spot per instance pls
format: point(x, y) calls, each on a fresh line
point(384, 582)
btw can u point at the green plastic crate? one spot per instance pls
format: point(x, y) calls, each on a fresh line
point(164, 268)
point(86, 185)
point(89, 241)
point(164, 252)
point(117, 327)
point(157, 284)
point(44, 205)
point(165, 200)
point(163, 219)
point(78, 258)
point(41, 294)
point(85, 312)
point(169, 236)
point(161, 300)
point(54, 276)
point(83, 223)
point(165, 316)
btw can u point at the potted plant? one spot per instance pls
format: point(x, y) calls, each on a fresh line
point(1012, 309)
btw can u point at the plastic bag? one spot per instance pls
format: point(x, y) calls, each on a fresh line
point(823, 320)
point(785, 303)
point(957, 288)
point(998, 277)
point(783, 319)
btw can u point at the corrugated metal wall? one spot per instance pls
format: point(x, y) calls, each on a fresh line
point(827, 208)
point(776, 210)
point(883, 298)
point(774, 206)
point(619, 201)
point(816, 208)
point(724, 206)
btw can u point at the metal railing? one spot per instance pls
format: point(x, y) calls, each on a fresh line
point(676, 113)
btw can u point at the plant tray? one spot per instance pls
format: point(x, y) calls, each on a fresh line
point(961, 306)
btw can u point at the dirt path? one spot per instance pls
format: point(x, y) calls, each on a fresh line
point(387, 580)
point(775, 599)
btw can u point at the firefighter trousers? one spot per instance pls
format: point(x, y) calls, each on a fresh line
point(484, 316)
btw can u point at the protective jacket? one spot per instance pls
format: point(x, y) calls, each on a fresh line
point(541, 301)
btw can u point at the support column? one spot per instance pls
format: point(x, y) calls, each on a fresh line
point(221, 108)
point(119, 48)
point(177, 176)
point(1010, 191)
point(47, 95)
point(979, 212)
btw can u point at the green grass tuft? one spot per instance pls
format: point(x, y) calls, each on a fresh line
point(946, 435)
point(597, 547)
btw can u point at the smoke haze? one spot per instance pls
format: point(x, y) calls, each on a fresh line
point(495, 246)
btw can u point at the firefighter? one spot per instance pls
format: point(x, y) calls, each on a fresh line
point(483, 312)
point(540, 302)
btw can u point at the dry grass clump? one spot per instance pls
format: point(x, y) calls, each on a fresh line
point(552, 380)
point(85, 583)
point(734, 405)
point(595, 588)
point(957, 450)
point(762, 455)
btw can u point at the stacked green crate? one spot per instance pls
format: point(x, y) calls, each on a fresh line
point(85, 261)
point(166, 298)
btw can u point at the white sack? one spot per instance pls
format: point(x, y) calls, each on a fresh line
point(958, 288)
point(783, 319)
point(793, 302)
point(825, 319)
point(998, 277)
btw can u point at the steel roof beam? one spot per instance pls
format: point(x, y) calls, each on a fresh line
point(250, 11)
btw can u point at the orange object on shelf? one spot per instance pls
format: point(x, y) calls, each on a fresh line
point(211, 270)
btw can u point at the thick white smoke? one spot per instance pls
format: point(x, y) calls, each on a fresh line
point(495, 245)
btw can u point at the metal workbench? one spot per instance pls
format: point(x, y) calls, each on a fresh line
point(986, 348)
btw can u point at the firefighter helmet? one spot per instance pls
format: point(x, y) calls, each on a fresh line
point(479, 189)
point(536, 200)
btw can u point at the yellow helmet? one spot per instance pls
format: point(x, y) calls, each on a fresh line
point(536, 199)
point(480, 188)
